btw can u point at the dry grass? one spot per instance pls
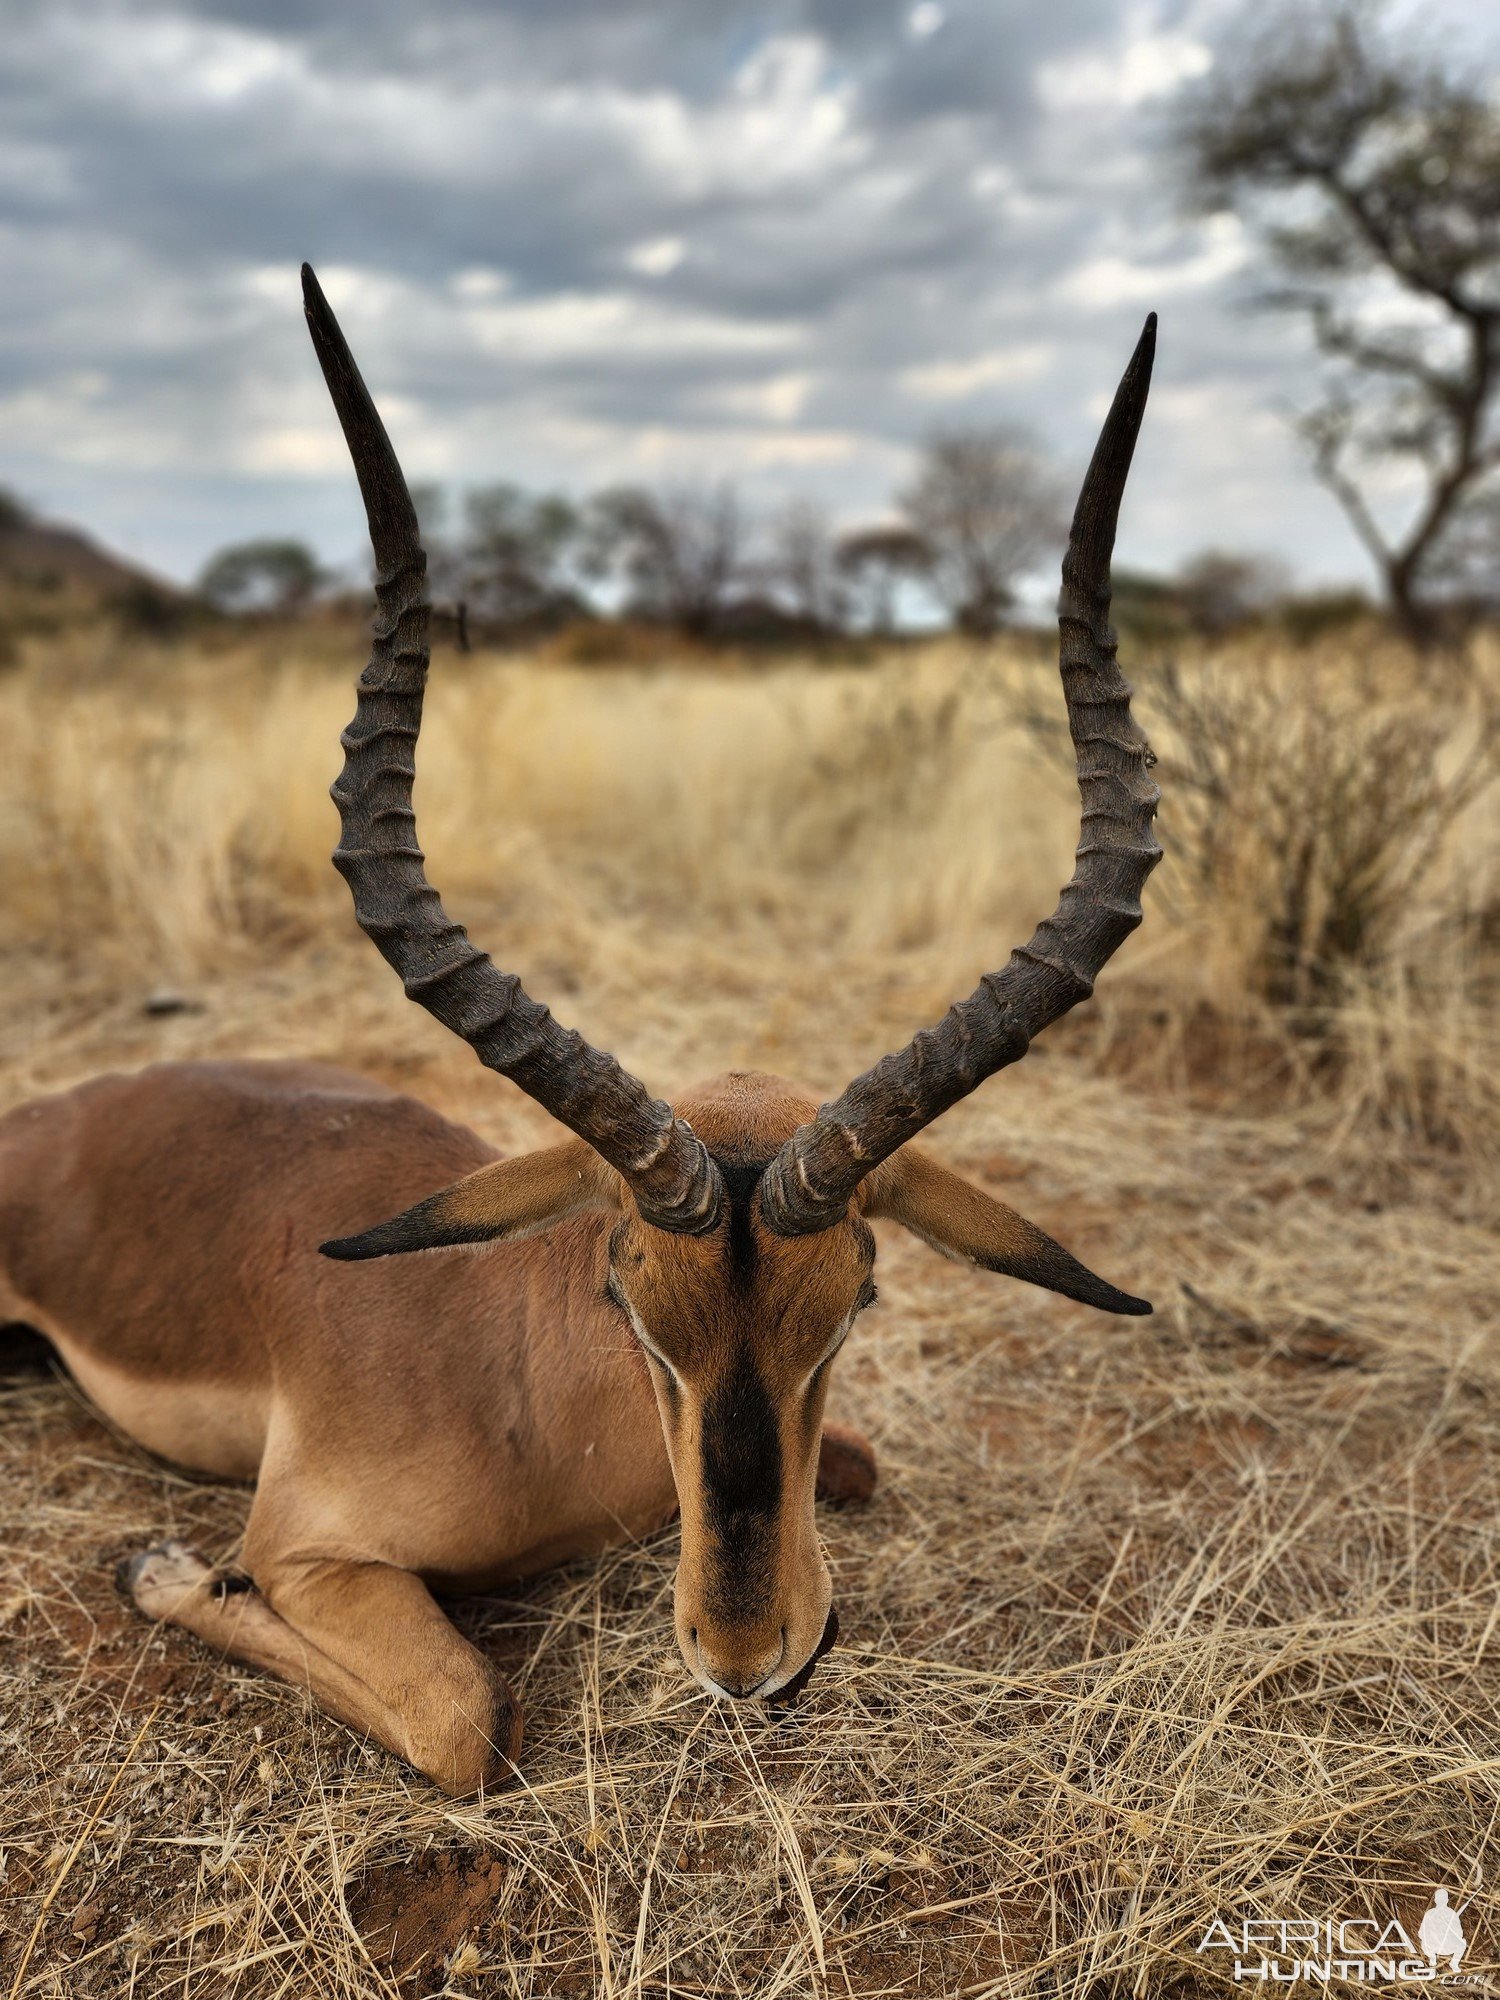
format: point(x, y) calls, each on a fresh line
point(1149, 1622)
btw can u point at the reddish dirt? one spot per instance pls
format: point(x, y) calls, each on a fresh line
point(415, 1917)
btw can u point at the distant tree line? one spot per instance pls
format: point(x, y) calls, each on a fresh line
point(980, 512)
point(1364, 160)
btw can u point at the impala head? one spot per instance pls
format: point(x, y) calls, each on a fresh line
point(739, 1251)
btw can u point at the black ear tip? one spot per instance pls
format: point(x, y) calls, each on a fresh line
point(1150, 326)
point(345, 1249)
point(1110, 1299)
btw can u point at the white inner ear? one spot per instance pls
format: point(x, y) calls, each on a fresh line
point(841, 1334)
point(943, 1249)
point(647, 1343)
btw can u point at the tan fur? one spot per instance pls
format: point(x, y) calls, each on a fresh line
point(452, 1421)
point(455, 1421)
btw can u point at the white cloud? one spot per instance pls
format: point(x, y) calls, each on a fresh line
point(925, 19)
point(71, 418)
point(479, 282)
point(1149, 65)
point(800, 448)
point(656, 257)
point(991, 180)
point(576, 325)
point(1102, 283)
point(780, 399)
point(164, 61)
point(671, 453)
point(786, 120)
point(304, 450)
point(946, 381)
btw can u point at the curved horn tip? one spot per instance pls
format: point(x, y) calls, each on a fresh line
point(1144, 357)
point(319, 314)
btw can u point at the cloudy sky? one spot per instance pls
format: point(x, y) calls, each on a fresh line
point(577, 241)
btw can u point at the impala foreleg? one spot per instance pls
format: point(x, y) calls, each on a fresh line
point(366, 1640)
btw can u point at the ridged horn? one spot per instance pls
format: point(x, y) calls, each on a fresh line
point(667, 1168)
point(809, 1183)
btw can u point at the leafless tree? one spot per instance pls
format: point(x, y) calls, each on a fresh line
point(804, 566)
point(985, 507)
point(678, 552)
point(1220, 589)
point(1370, 169)
point(517, 555)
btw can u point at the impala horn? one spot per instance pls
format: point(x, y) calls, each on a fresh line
point(808, 1184)
point(668, 1169)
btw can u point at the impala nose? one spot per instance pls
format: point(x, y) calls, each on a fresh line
point(743, 1680)
point(738, 1679)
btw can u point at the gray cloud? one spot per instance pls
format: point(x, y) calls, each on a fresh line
point(591, 239)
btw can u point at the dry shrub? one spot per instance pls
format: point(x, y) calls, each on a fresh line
point(1314, 800)
point(1332, 835)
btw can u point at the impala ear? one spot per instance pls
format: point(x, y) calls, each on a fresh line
point(509, 1199)
point(964, 1222)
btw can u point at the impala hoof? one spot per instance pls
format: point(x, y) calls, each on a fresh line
point(159, 1579)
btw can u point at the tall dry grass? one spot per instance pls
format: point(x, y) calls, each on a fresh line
point(1329, 908)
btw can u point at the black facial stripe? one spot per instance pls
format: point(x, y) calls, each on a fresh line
point(741, 1178)
point(742, 1485)
point(741, 1444)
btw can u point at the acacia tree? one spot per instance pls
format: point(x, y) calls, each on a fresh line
point(984, 508)
point(1371, 171)
point(877, 561)
point(271, 576)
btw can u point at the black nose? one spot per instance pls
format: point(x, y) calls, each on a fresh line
point(788, 1694)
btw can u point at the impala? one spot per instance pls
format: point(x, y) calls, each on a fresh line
point(662, 1294)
